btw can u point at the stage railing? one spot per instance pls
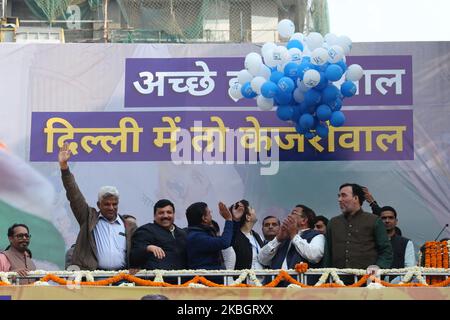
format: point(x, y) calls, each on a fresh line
point(311, 277)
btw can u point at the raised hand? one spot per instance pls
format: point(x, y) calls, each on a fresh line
point(291, 226)
point(283, 234)
point(224, 212)
point(367, 195)
point(238, 212)
point(64, 156)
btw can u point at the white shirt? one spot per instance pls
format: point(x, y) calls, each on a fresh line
point(255, 251)
point(111, 243)
point(410, 256)
point(312, 251)
point(229, 258)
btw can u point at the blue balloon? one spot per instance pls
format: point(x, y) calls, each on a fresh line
point(322, 130)
point(323, 83)
point(306, 59)
point(330, 94)
point(282, 98)
point(334, 72)
point(300, 129)
point(337, 119)
point(348, 89)
point(294, 44)
point(291, 70)
point(342, 64)
point(276, 76)
point(337, 105)
point(269, 89)
point(285, 112)
point(303, 108)
point(306, 121)
point(286, 85)
point(297, 114)
point(323, 112)
point(309, 135)
point(320, 68)
point(247, 91)
point(312, 97)
point(303, 67)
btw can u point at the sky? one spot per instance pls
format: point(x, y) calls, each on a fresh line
point(390, 20)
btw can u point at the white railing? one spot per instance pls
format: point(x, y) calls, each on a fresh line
point(319, 276)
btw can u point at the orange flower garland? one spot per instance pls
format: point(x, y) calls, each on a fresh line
point(436, 256)
point(301, 267)
point(437, 281)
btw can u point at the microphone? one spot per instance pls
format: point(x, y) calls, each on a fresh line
point(441, 231)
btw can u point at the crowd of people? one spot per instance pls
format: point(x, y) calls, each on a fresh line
point(110, 241)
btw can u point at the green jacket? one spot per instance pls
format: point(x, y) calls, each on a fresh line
point(357, 241)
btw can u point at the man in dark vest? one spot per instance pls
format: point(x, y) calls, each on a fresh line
point(17, 256)
point(402, 248)
point(356, 239)
point(296, 242)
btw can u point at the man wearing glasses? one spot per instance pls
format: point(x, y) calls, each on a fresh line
point(17, 256)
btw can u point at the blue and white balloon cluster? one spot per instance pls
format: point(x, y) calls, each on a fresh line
point(307, 79)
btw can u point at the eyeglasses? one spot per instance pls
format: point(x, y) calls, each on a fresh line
point(295, 212)
point(22, 236)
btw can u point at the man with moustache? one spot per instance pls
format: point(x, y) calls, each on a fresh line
point(17, 256)
point(159, 245)
point(270, 228)
point(104, 239)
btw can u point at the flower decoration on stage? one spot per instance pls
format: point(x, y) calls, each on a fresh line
point(307, 79)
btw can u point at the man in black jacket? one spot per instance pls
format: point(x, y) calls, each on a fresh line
point(159, 245)
point(246, 242)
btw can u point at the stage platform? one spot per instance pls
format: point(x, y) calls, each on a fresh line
point(135, 293)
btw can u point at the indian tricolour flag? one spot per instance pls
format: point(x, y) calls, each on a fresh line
point(27, 197)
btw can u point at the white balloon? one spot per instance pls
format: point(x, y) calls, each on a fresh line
point(264, 72)
point(253, 62)
point(281, 54)
point(298, 95)
point(301, 86)
point(314, 40)
point(354, 72)
point(319, 56)
point(296, 55)
point(264, 104)
point(297, 36)
point(331, 39)
point(256, 84)
point(346, 43)
point(235, 92)
point(335, 53)
point(244, 76)
point(269, 61)
point(286, 28)
point(311, 78)
point(281, 67)
point(267, 48)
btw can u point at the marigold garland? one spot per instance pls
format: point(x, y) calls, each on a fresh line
point(301, 267)
point(282, 275)
point(436, 256)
